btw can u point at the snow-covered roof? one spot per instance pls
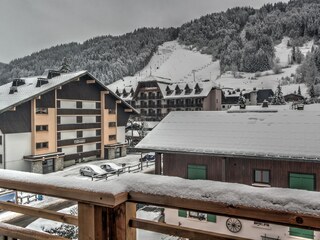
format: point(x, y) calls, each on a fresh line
point(286, 134)
point(205, 88)
point(253, 108)
point(29, 90)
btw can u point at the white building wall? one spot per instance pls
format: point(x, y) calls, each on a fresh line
point(68, 104)
point(89, 133)
point(89, 119)
point(121, 134)
point(89, 147)
point(69, 150)
point(17, 146)
point(68, 135)
point(249, 229)
point(68, 120)
point(88, 105)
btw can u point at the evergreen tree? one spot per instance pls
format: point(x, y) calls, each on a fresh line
point(312, 91)
point(278, 98)
point(299, 90)
point(65, 67)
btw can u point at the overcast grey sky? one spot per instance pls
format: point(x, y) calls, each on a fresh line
point(27, 26)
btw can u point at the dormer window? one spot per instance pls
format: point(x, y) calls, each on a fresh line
point(42, 81)
point(18, 82)
point(117, 92)
point(178, 90)
point(187, 89)
point(13, 89)
point(198, 89)
point(168, 90)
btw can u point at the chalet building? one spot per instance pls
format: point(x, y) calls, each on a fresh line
point(230, 97)
point(56, 120)
point(279, 149)
point(293, 97)
point(155, 97)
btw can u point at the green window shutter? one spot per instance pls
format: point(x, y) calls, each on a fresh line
point(302, 181)
point(197, 172)
point(298, 232)
point(182, 213)
point(211, 218)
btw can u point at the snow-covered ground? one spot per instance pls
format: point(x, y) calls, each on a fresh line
point(73, 171)
point(44, 224)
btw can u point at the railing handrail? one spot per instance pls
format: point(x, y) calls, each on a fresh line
point(116, 199)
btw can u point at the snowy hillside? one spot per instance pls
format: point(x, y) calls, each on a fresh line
point(268, 80)
point(179, 64)
point(176, 62)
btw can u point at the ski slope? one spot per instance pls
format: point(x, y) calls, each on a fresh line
point(180, 64)
point(175, 62)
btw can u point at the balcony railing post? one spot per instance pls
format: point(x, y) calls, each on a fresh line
point(86, 221)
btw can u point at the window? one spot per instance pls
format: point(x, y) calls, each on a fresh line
point(197, 172)
point(59, 120)
point(79, 134)
point(79, 119)
point(112, 137)
point(79, 104)
point(41, 110)
point(58, 135)
point(98, 105)
point(112, 124)
point(98, 119)
point(42, 145)
point(58, 104)
point(59, 149)
point(79, 149)
point(262, 176)
point(304, 182)
point(98, 146)
point(0, 158)
point(40, 128)
point(98, 132)
point(0, 140)
point(111, 111)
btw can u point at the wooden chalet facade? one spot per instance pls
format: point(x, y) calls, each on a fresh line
point(155, 97)
point(59, 119)
point(257, 149)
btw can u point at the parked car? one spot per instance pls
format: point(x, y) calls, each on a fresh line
point(91, 171)
point(111, 167)
point(151, 156)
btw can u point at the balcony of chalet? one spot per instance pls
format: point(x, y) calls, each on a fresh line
point(107, 209)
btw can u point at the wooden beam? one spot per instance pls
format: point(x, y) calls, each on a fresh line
point(179, 231)
point(250, 213)
point(91, 81)
point(61, 191)
point(39, 212)
point(131, 209)
point(25, 234)
point(86, 221)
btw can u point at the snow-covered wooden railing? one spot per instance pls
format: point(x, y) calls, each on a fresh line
point(106, 210)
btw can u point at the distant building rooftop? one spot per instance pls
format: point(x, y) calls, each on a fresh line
point(286, 134)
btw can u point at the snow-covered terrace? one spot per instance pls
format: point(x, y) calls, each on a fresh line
point(280, 206)
point(279, 135)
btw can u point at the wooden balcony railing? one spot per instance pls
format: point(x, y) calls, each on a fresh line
point(107, 209)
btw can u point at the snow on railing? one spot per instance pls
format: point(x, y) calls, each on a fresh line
point(114, 203)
